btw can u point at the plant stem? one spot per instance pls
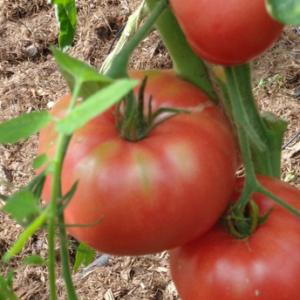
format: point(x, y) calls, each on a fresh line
point(131, 26)
point(65, 260)
point(187, 64)
point(265, 141)
point(251, 183)
point(62, 145)
point(252, 130)
point(24, 236)
point(118, 67)
point(55, 194)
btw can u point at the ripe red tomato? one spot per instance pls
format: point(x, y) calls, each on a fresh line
point(154, 194)
point(264, 266)
point(227, 33)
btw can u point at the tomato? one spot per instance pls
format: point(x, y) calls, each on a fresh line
point(154, 194)
point(227, 34)
point(264, 266)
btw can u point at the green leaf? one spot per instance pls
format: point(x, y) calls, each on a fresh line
point(66, 17)
point(62, 2)
point(76, 71)
point(40, 161)
point(277, 128)
point(284, 11)
point(10, 277)
point(84, 256)
point(36, 185)
point(5, 292)
point(6, 287)
point(3, 285)
point(23, 127)
point(35, 260)
point(65, 200)
point(22, 205)
point(95, 105)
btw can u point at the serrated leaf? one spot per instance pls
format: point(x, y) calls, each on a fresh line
point(94, 105)
point(23, 127)
point(76, 71)
point(284, 11)
point(35, 259)
point(66, 17)
point(84, 256)
point(22, 205)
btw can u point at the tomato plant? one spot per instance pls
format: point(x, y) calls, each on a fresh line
point(266, 265)
point(142, 191)
point(227, 34)
point(156, 193)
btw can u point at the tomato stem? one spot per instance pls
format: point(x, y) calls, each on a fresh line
point(24, 236)
point(65, 260)
point(129, 30)
point(62, 145)
point(251, 186)
point(118, 67)
point(55, 194)
point(260, 140)
point(265, 137)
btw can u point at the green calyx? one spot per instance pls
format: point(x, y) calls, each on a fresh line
point(132, 121)
point(242, 224)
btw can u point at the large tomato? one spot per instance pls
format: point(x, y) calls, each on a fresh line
point(227, 33)
point(154, 194)
point(264, 266)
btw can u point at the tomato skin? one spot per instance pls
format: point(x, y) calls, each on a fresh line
point(265, 266)
point(227, 34)
point(152, 194)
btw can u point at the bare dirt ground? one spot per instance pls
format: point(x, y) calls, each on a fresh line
point(30, 81)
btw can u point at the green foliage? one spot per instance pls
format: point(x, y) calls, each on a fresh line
point(22, 206)
point(6, 287)
point(35, 260)
point(64, 201)
point(78, 72)
point(94, 105)
point(260, 136)
point(40, 161)
point(84, 256)
point(23, 127)
point(290, 176)
point(66, 17)
point(272, 82)
point(285, 11)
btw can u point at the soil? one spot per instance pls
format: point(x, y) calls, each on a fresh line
point(30, 81)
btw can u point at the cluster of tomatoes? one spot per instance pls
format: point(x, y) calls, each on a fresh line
point(169, 189)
